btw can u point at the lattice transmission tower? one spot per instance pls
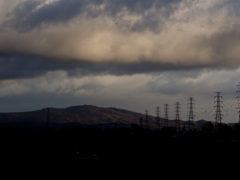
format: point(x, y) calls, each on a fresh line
point(166, 118)
point(191, 113)
point(177, 111)
point(218, 112)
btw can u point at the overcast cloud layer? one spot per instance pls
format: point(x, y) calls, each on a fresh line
point(99, 51)
point(186, 33)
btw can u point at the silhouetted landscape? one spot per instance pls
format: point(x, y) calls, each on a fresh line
point(85, 115)
point(59, 58)
point(90, 133)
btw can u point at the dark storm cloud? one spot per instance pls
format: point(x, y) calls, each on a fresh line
point(120, 69)
point(150, 20)
point(29, 66)
point(27, 15)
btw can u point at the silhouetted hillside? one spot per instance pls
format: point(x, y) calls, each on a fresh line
point(85, 115)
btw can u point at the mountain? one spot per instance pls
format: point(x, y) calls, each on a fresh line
point(84, 115)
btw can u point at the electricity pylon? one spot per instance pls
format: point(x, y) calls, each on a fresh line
point(166, 107)
point(218, 112)
point(191, 113)
point(177, 110)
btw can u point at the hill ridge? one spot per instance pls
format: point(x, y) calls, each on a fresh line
point(84, 115)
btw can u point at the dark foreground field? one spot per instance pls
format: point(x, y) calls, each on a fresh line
point(129, 145)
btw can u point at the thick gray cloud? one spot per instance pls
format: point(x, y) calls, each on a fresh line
point(171, 33)
point(180, 34)
point(15, 66)
point(30, 14)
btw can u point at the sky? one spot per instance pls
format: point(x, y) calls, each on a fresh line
point(129, 54)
